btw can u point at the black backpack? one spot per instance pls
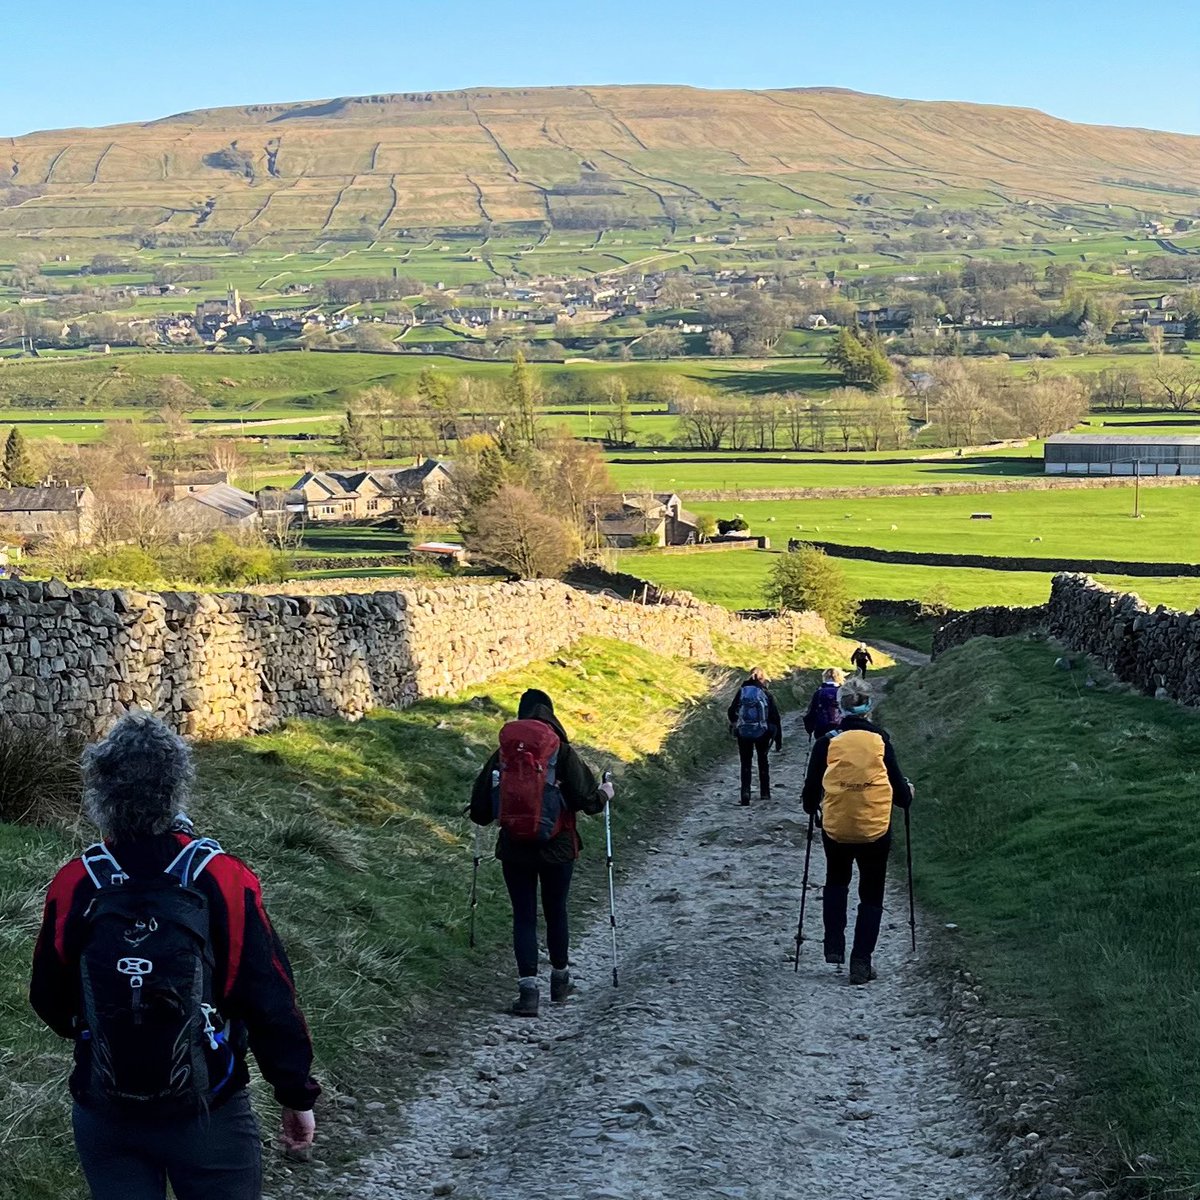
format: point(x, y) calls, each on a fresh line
point(146, 967)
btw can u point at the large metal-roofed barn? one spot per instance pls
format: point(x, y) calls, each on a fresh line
point(1098, 454)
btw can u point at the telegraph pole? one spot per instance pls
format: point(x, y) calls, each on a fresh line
point(1137, 476)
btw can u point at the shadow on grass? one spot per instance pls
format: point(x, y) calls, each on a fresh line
point(359, 836)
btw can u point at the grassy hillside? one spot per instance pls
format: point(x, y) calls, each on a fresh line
point(358, 833)
point(1055, 826)
point(372, 166)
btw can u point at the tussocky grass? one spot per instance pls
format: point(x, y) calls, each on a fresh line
point(1054, 825)
point(358, 833)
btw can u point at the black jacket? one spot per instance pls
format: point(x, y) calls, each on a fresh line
point(819, 760)
point(251, 977)
point(774, 724)
point(861, 658)
point(579, 788)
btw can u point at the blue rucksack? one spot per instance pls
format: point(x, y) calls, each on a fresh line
point(752, 713)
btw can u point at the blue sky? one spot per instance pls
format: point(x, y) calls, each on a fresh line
point(78, 62)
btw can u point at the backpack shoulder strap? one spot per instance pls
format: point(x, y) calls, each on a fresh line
point(102, 867)
point(189, 864)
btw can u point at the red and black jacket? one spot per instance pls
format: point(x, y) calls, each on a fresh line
point(252, 978)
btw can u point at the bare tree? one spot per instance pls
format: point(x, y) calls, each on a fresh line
point(720, 343)
point(225, 455)
point(1179, 383)
point(515, 532)
point(704, 422)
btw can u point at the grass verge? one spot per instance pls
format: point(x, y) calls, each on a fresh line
point(1055, 827)
point(358, 833)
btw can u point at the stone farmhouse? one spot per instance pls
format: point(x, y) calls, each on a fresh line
point(622, 519)
point(42, 511)
point(370, 494)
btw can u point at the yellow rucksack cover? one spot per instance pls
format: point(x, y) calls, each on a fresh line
point(858, 794)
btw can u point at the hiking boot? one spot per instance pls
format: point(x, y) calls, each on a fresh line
point(764, 796)
point(861, 970)
point(745, 801)
point(526, 1004)
point(560, 985)
point(833, 910)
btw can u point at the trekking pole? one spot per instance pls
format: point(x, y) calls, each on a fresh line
point(804, 891)
point(475, 880)
point(612, 896)
point(478, 858)
point(912, 908)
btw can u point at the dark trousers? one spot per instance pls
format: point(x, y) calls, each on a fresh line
point(840, 860)
point(862, 670)
point(522, 880)
point(749, 748)
point(215, 1156)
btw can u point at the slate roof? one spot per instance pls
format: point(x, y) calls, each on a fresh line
point(40, 499)
point(226, 499)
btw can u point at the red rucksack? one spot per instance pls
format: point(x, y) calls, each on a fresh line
point(530, 806)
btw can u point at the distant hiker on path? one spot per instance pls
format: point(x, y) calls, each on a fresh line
point(754, 720)
point(853, 776)
point(861, 660)
point(533, 786)
point(157, 959)
point(824, 713)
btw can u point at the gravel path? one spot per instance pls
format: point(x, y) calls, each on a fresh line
point(713, 1071)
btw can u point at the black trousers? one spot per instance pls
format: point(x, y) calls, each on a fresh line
point(215, 1156)
point(522, 881)
point(840, 860)
point(749, 748)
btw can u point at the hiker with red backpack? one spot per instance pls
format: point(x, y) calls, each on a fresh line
point(854, 778)
point(156, 958)
point(533, 786)
point(754, 721)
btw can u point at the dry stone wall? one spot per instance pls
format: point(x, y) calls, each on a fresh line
point(993, 621)
point(997, 562)
point(1040, 483)
point(224, 665)
point(1157, 650)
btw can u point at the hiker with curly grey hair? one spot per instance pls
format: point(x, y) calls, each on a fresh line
point(855, 779)
point(156, 958)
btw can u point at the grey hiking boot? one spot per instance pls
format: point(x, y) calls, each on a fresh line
point(560, 985)
point(745, 801)
point(834, 957)
point(526, 1004)
point(861, 970)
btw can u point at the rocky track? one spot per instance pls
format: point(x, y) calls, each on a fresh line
point(713, 1071)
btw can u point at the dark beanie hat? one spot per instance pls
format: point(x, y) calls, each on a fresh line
point(534, 698)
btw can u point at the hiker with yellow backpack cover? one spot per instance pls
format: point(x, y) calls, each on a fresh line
point(854, 778)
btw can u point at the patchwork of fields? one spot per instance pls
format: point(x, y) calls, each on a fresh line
point(288, 409)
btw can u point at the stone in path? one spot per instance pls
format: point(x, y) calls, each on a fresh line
point(713, 1071)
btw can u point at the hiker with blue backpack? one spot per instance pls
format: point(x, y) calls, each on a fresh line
point(754, 721)
point(533, 786)
point(824, 713)
point(156, 958)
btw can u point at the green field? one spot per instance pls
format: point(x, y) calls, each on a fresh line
point(735, 579)
point(315, 380)
point(1060, 524)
